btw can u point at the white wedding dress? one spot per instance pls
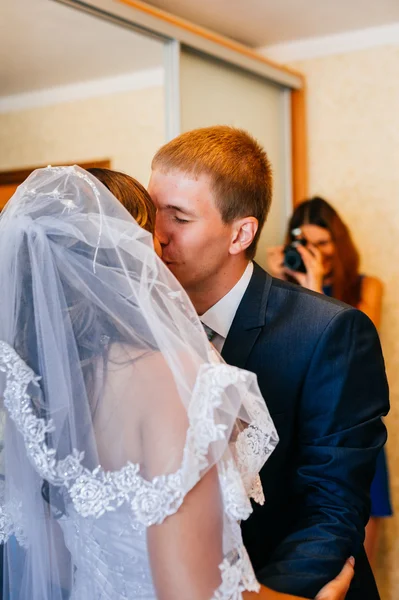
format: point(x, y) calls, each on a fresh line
point(114, 407)
point(105, 525)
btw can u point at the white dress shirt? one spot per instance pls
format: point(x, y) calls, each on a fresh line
point(220, 316)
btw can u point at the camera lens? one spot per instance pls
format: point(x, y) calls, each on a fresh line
point(293, 259)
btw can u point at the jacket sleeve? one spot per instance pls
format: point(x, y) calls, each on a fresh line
point(340, 433)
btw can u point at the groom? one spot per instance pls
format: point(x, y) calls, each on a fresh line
point(318, 362)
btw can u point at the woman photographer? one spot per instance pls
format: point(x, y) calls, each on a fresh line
point(325, 260)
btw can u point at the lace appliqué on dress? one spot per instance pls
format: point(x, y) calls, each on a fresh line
point(234, 582)
point(236, 571)
point(11, 519)
point(95, 492)
point(253, 446)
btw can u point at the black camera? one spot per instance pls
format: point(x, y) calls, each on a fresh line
point(292, 258)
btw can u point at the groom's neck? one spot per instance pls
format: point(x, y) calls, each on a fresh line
point(208, 292)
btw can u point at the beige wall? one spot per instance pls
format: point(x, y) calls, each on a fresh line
point(126, 127)
point(213, 93)
point(353, 127)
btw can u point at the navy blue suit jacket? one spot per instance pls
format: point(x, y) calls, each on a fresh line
point(321, 371)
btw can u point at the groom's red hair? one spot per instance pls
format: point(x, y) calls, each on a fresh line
point(238, 168)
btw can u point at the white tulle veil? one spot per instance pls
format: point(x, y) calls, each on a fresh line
point(84, 300)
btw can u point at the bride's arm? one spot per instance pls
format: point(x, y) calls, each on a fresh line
point(186, 549)
point(142, 419)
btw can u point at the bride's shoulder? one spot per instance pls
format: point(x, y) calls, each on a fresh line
point(143, 373)
point(120, 353)
point(126, 357)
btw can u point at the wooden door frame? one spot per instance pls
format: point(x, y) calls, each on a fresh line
point(18, 176)
point(299, 146)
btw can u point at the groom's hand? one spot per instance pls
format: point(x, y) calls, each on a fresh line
point(338, 587)
point(335, 590)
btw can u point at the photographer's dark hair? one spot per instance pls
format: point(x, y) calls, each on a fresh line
point(346, 277)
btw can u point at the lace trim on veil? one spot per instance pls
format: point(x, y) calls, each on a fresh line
point(95, 492)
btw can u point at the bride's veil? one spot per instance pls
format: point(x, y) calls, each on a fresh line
point(96, 337)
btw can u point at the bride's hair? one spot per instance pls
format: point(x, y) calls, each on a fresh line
point(82, 312)
point(131, 194)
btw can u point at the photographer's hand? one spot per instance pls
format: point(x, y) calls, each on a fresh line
point(313, 278)
point(275, 260)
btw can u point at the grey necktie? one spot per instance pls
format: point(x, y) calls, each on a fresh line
point(209, 332)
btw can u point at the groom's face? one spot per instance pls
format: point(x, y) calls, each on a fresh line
point(195, 241)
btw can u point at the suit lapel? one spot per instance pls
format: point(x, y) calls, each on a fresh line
point(249, 319)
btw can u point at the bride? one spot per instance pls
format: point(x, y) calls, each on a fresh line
point(130, 450)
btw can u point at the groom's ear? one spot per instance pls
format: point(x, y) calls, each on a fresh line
point(243, 233)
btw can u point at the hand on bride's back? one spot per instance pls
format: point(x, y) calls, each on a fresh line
point(334, 590)
point(338, 587)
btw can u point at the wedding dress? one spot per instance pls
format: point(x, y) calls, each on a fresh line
point(115, 407)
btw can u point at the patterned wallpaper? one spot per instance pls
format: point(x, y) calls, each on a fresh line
point(126, 127)
point(353, 127)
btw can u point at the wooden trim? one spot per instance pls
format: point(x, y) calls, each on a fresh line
point(299, 146)
point(18, 176)
point(207, 34)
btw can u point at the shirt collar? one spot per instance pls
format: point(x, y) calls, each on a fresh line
point(220, 316)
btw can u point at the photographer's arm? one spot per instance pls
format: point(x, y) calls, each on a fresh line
point(371, 299)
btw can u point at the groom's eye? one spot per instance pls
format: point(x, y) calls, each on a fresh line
point(178, 220)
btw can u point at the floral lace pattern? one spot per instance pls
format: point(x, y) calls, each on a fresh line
point(11, 519)
point(233, 582)
point(235, 499)
point(252, 448)
point(95, 492)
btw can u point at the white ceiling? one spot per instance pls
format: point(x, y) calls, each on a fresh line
point(260, 23)
point(44, 44)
